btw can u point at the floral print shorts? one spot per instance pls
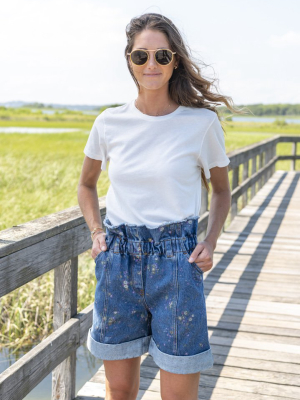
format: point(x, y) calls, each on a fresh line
point(150, 298)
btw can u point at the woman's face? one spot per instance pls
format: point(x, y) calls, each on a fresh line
point(152, 75)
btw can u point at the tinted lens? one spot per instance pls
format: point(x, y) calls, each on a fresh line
point(139, 57)
point(163, 57)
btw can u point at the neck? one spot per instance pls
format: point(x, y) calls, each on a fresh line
point(155, 106)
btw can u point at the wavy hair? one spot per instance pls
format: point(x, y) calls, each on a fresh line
point(187, 86)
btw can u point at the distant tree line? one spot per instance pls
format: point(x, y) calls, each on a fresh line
point(266, 109)
point(37, 105)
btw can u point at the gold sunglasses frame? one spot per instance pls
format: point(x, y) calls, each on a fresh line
point(148, 56)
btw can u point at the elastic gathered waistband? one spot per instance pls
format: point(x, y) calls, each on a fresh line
point(167, 230)
point(167, 238)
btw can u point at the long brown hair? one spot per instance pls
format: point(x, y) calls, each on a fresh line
point(187, 86)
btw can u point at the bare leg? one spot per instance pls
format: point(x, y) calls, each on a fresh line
point(179, 386)
point(122, 378)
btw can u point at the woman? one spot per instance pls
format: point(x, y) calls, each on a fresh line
point(149, 266)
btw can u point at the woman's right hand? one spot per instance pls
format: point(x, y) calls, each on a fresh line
point(99, 244)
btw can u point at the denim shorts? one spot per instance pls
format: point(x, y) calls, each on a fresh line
point(150, 298)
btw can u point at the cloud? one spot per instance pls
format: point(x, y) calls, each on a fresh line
point(289, 39)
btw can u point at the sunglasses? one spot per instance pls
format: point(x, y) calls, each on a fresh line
point(162, 56)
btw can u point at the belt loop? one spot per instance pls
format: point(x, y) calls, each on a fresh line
point(116, 246)
point(139, 248)
point(169, 250)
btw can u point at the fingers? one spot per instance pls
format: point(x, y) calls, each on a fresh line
point(196, 253)
point(100, 240)
point(202, 257)
point(99, 244)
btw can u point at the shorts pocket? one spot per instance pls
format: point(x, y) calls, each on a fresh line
point(188, 253)
point(100, 263)
point(102, 251)
point(98, 255)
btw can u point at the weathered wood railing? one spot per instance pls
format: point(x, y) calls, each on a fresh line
point(55, 241)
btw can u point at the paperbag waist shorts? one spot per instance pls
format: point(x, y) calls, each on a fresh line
point(150, 298)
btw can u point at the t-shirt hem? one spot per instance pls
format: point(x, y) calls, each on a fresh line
point(95, 157)
point(219, 163)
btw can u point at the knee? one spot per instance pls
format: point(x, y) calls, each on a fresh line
point(121, 393)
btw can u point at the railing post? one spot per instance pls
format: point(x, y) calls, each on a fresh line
point(253, 170)
point(294, 152)
point(270, 152)
point(65, 307)
point(235, 183)
point(273, 155)
point(245, 176)
point(261, 162)
point(267, 158)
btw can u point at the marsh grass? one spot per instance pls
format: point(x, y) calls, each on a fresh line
point(27, 313)
point(25, 117)
point(39, 174)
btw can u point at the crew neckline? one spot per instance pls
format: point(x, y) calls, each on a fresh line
point(153, 117)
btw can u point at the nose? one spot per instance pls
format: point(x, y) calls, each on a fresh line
point(152, 61)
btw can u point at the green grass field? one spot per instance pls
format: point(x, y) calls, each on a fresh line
point(39, 174)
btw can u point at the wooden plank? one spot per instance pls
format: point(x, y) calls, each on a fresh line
point(65, 307)
point(265, 330)
point(239, 294)
point(226, 348)
point(250, 343)
point(24, 235)
point(241, 312)
point(260, 322)
point(256, 293)
point(254, 305)
point(253, 276)
point(248, 284)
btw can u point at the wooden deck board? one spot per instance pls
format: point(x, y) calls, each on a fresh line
point(253, 305)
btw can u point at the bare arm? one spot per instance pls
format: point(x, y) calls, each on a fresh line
point(88, 200)
point(220, 202)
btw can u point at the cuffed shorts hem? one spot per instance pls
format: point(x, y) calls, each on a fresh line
point(137, 347)
point(181, 364)
point(119, 351)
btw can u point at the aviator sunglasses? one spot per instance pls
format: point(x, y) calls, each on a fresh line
point(162, 56)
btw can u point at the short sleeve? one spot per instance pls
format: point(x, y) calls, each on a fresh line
point(96, 146)
point(213, 153)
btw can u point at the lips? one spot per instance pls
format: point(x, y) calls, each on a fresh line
point(151, 74)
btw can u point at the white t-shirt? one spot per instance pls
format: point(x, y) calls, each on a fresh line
point(155, 162)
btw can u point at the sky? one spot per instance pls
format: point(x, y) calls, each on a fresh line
point(72, 51)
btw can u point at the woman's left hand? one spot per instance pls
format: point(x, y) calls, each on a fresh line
point(202, 255)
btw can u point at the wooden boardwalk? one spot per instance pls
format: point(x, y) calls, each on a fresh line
point(253, 305)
